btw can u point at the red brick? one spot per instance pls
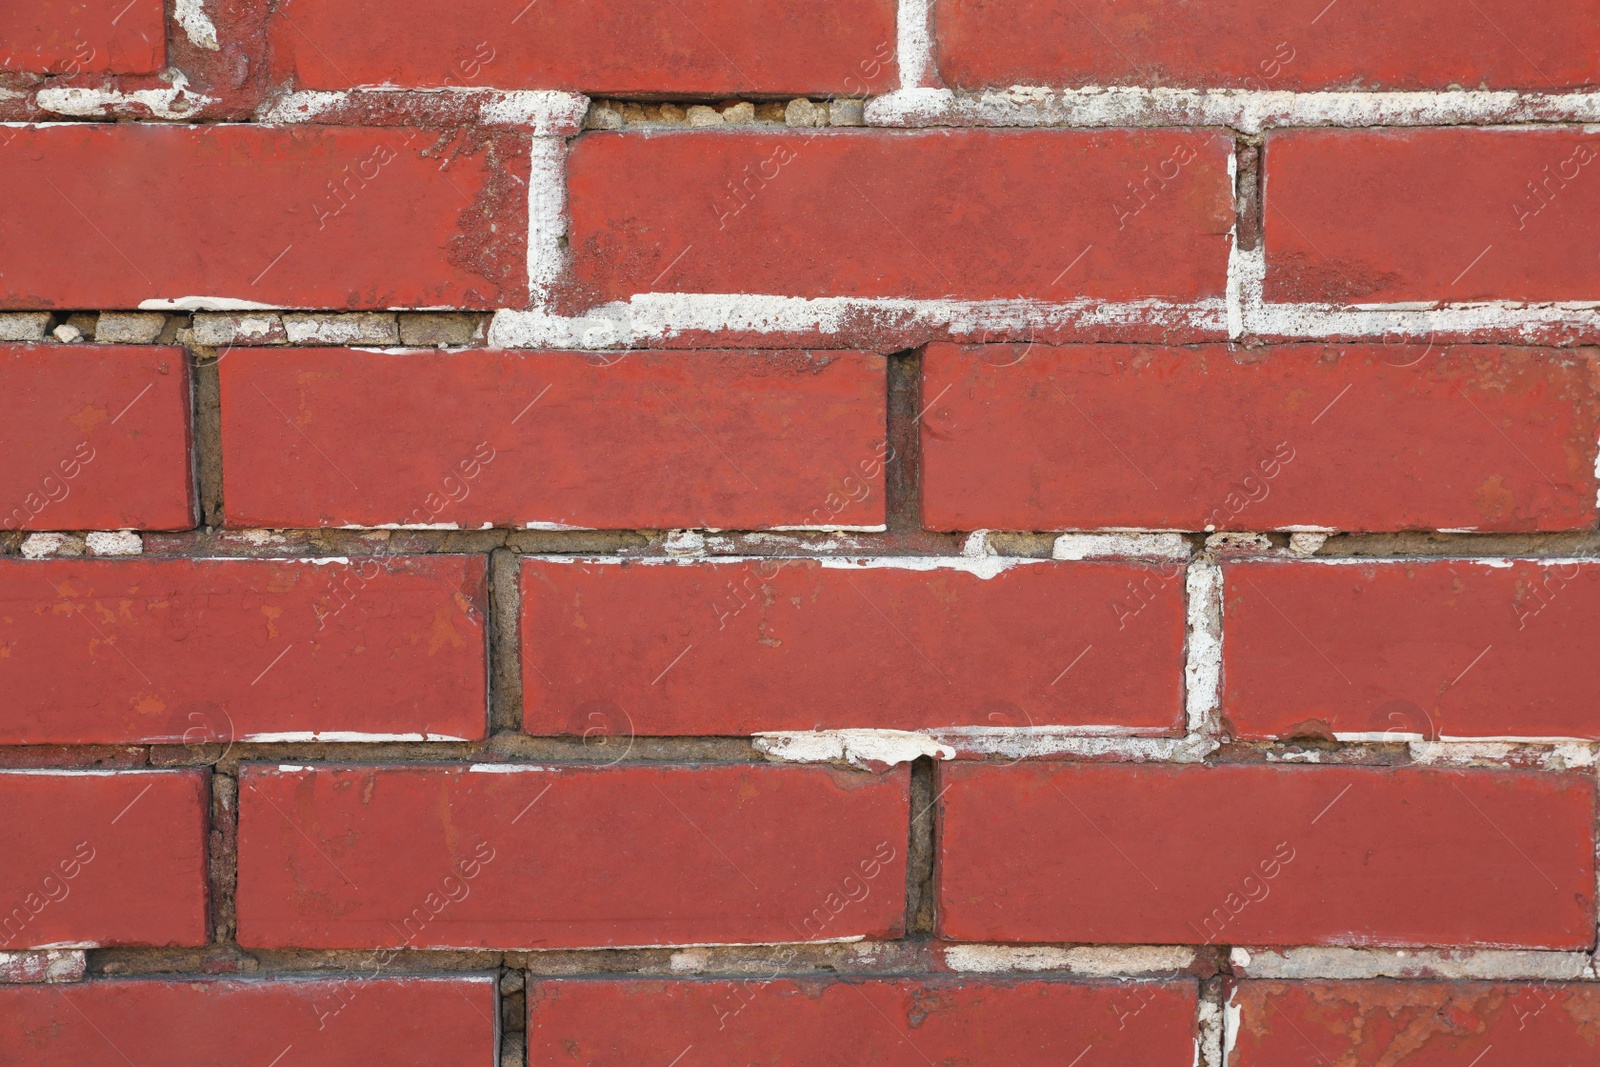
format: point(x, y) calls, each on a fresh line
point(1420, 1024)
point(1455, 649)
point(1359, 437)
point(1445, 214)
point(830, 1022)
point(102, 858)
point(653, 440)
point(973, 214)
point(741, 647)
point(1265, 854)
point(615, 46)
point(403, 1022)
point(211, 651)
point(1259, 44)
point(435, 857)
point(94, 438)
point(83, 36)
point(404, 214)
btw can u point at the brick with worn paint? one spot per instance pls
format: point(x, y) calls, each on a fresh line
point(1049, 215)
point(209, 652)
point(83, 37)
point(903, 1022)
point(1349, 437)
point(103, 858)
point(94, 438)
point(1418, 1023)
point(532, 857)
point(734, 440)
point(1451, 215)
point(1416, 650)
point(1266, 854)
point(732, 47)
point(1543, 46)
point(341, 1020)
point(717, 648)
point(319, 217)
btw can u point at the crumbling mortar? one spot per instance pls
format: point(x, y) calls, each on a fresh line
point(503, 642)
point(902, 477)
point(206, 447)
point(1248, 181)
point(222, 855)
point(922, 851)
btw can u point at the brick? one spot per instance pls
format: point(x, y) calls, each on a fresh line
point(788, 644)
point(360, 328)
point(615, 46)
point(24, 325)
point(405, 214)
point(1256, 44)
point(903, 1022)
point(1449, 650)
point(218, 329)
point(440, 328)
point(1426, 1024)
point(83, 37)
point(482, 857)
point(1456, 214)
point(129, 327)
point(650, 440)
point(50, 966)
point(867, 213)
point(1265, 854)
point(94, 438)
point(1354, 437)
point(102, 858)
point(210, 651)
point(407, 1022)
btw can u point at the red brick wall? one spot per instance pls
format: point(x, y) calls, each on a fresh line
point(770, 531)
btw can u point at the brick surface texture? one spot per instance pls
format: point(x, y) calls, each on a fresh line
point(893, 532)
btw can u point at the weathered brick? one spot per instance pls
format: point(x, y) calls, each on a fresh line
point(485, 856)
point(1543, 45)
point(1353, 437)
point(614, 46)
point(1457, 214)
point(129, 327)
point(652, 440)
point(406, 216)
point(24, 325)
point(972, 214)
point(1266, 854)
point(674, 647)
point(94, 438)
point(83, 37)
point(902, 1022)
point(220, 328)
point(356, 1019)
point(358, 328)
point(1452, 649)
point(212, 651)
point(1290, 1024)
point(102, 858)
point(443, 329)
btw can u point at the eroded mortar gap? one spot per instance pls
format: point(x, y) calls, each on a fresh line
point(511, 984)
point(206, 451)
point(765, 113)
point(504, 642)
point(1211, 1023)
point(1248, 152)
point(902, 479)
point(920, 850)
point(222, 855)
